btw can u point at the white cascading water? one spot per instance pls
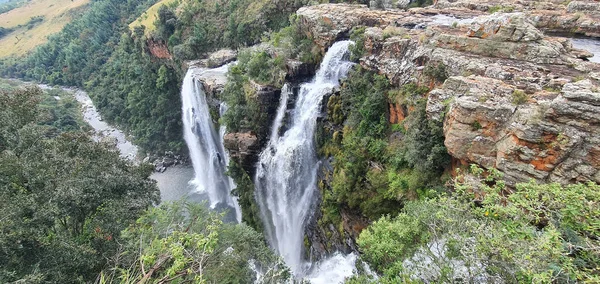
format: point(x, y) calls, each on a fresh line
point(205, 146)
point(287, 171)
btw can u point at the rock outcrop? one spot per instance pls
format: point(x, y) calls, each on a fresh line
point(159, 49)
point(518, 99)
point(243, 146)
point(512, 94)
point(553, 136)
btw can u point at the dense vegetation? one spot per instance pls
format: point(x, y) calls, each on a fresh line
point(98, 52)
point(195, 27)
point(131, 87)
point(484, 232)
point(65, 198)
point(74, 211)
point(179, 242)
point(377, 165)
point(137, 91)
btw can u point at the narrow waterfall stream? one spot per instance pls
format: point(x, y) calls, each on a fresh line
point(287, 171)
point(205, 144)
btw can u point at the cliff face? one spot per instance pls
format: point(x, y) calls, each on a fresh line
point(517, 99)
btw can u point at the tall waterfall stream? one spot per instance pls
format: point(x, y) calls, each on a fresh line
point(205, 145)
point(287, 169)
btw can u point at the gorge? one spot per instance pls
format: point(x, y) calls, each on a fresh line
point(404, 46)
point(401, 141)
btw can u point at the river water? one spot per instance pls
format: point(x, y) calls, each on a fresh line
point(174, 183)
point(591, 45)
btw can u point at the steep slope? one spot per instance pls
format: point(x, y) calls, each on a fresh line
point(31, 24)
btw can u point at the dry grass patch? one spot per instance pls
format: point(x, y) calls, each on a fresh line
point(55, 13)
point(147, 18)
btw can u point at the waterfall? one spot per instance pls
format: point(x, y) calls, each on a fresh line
point(205, 146)
point(287, 170)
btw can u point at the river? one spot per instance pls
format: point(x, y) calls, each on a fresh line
point(591, 45)
point(173, 183)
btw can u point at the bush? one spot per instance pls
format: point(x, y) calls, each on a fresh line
point(519, 97)
point(184, 242)
point(540, 233)
point(437, 73)
point(357, 50)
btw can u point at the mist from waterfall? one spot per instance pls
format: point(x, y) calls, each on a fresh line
point(205, 144)
point(287, 169)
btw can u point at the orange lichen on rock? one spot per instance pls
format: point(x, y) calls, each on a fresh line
point(546, 153)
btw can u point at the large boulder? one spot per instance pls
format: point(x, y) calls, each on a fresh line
point(545, 136)
point(514, 27)
point(243, 147)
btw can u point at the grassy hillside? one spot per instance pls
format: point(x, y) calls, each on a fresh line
point(31, 24)
point(147, 18)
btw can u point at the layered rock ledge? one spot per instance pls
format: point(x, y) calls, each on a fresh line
point(518, 98)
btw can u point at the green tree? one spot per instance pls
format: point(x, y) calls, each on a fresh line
point(184, 242)
point(539, 233)
point(64, 198)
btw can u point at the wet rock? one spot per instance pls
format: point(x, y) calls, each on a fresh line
point(244, 147)
point(298, 69)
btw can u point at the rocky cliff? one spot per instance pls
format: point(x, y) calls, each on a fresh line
point(515, 94)
point(518, 98)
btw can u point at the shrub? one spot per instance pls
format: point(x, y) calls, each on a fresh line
point(357, 50)
point(519, 97)
point(540, 233)
point(436, 72)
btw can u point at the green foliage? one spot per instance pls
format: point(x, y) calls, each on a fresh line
point(372, 174)
point(420, 3)
point(244, 112)
point(34, 21)
point(262, 68)
point(64, 198)
point(423, 144)
point(245, 192)
point(74, 55)
point(140, 94)
point(500, 8)
point(201, 26)
point(357, 50)
point(437, 73)
point(183, 242)
point(365, 95)
point(539, 233)
point(129, 87)
point(519, 97)
point(5, 31)
point(292, 42)
point(267, 68)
